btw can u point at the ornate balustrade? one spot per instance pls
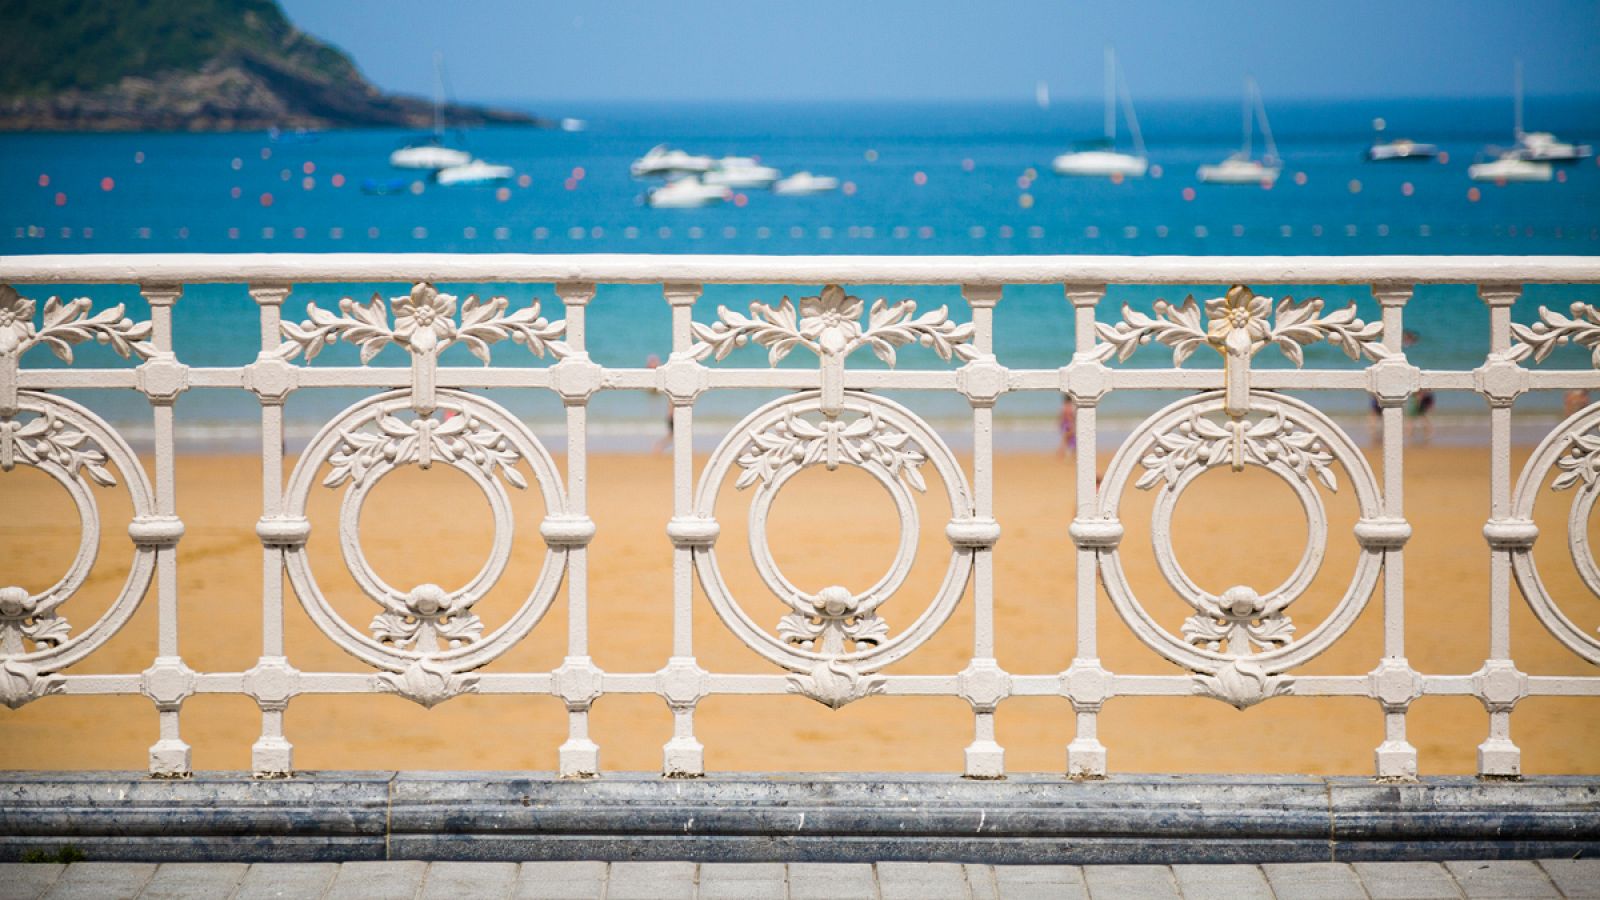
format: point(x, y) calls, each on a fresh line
point(425, 643)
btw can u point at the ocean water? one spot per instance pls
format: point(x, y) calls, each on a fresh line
point(931, 179)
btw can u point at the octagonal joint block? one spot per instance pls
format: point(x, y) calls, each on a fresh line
point(168, 682)
point(1085, 380)
point(1087, 685)
point(1395, 684)
point(1500, 381)
point(682, 378)
point(1499, 685)
point(984, 684)
point(578, 681)
point(272, 682)
point(1392, 381)
point(982, 381)
point(271, 379)
point(683, 683)
point(576, 379)
point(162, 378)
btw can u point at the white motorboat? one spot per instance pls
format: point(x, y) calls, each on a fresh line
point(1542, 146)
point(1104, 160)
point(475, 172)
point(687, 192)
point(1401, 149)
point(803, 183)
point(573, 125)
point(1511, 166)
point(662, 160)
point(430, 152)
point(741, 172)
point(1240, 168)
point(429, 155)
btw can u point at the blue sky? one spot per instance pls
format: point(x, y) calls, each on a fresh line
point(931, 50)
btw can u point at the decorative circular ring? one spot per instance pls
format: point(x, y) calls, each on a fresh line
point(487, 444)
point(776, 442)
point(1562, 444)
point(1176, 446)
point(374, 586)
point(63, 455)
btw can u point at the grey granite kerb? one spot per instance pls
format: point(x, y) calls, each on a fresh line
point(347, 816)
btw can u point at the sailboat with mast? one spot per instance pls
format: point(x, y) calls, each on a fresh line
point(1529, 160)
point(1102, 159)
point(1241, 168)
point(431, 152)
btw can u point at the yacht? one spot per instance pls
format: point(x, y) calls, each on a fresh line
point(664, 161)
point(431, 152)
point(1240, 168)
point(687, 192)
point(1401, 149)
point(1541, 146)
point(804, 183)
point(1510, 166)
point(474, 172)
point(1103, 159)
point(741, 172)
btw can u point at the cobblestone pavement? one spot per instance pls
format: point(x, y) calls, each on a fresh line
point(799, 881)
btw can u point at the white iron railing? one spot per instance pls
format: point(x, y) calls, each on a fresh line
point(428, 645)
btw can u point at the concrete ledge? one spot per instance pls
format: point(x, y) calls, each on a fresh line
point(746, 818)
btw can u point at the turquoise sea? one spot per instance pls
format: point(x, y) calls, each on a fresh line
point(923, 179)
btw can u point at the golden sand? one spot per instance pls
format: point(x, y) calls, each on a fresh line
point(828, 528)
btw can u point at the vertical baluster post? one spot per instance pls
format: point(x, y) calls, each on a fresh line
point(272, 681)
point(1086, 683)
point(1498, 684)
point(1394, 683)
point(683, 683)
point(983, 684)
point(168, 682)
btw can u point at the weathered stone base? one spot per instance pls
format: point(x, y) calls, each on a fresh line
point(1023, 819)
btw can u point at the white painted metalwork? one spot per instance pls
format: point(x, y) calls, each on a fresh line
point(836, 645)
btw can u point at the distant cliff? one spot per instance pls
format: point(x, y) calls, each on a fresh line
point(189, 65)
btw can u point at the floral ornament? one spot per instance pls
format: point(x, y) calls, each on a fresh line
point(425, 323)
point(21, 683)
point(1238, 321)
point(1199, 442)
point(428, 619)
point(1238, 324)
point(1579, 462)
point(423, 319)
point(462, 438)
point(1553, 329)
point(20, 618)
point(833, 683)
point(830, 618)
point(427, 683)
point(799, 442)
point(1240, 619)
point(47, 438)
point(67, 324)
point(1242, 684)
point(829, 325)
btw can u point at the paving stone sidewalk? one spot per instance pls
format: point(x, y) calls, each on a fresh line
point(798, 881)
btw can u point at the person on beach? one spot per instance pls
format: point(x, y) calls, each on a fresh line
point(1423, 400)
point(1574, 401)
point(664, 443)
point(1067, 425)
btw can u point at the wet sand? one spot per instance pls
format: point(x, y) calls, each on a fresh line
point(828, 528)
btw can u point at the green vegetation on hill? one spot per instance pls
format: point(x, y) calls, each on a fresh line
point(54, 45)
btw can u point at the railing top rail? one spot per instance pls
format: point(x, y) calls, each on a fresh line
point(612, 268)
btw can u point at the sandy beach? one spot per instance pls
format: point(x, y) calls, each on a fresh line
point(829, 528)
